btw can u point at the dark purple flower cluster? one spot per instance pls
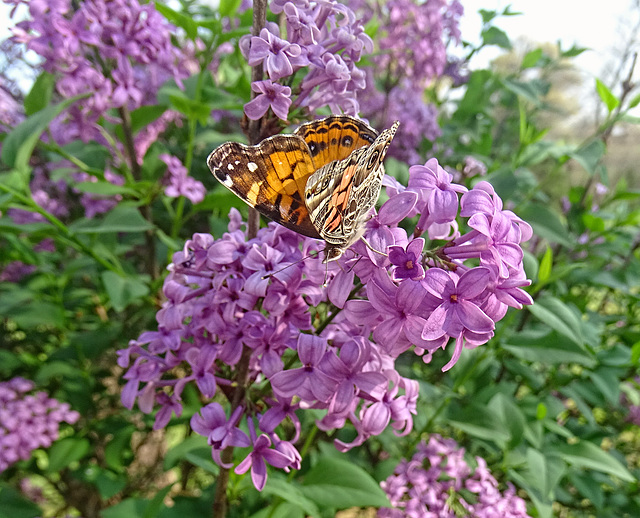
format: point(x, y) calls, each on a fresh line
point(411, 55)
point(315, 335)
point(434, 482)
point(119, 52)
point(28, 421)
point(325, 38)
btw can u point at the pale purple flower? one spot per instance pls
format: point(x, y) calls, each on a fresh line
point(436, 476)
point(179, 181)
point(220, 432)
point(270, 95)
point(262, 454)
point(28, 421)
point(279, 57)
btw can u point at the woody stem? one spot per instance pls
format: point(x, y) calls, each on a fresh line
point(253, 130)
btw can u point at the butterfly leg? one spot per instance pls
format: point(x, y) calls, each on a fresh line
point(368, 245)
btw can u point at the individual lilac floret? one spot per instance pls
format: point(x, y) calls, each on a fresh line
point(28, 421)
point(279, 57)
point(438, 476)
point(270, 95)
point(407, 261)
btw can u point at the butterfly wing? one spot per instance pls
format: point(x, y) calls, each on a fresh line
point(335, 138)
point(271, 177)
point(340, 194)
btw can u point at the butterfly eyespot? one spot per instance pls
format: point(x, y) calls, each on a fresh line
point(374, 159)
point(347, 141)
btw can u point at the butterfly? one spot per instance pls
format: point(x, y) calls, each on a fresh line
point(321, 181)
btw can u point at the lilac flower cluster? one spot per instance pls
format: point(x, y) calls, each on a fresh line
point(118, 53)
point(433, 483)
point(327, 39)
point(28, 421)
point(179, 181)
point(11, 113)
point(326, 345)
point(132, 43)
point(411, 54)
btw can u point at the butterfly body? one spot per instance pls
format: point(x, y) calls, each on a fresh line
point(321, 181)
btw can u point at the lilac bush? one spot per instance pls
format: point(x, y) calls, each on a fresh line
point(28, 421)
point(438, 482)
point(326, 337)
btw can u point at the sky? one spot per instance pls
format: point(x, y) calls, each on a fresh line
point(596, 25)
point(589, 24)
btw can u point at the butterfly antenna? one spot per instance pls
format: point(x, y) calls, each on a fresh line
point(313, 254)
point(368, 245)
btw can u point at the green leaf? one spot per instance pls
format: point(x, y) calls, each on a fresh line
point(634, 102)
point(479, 421)
point(608, 382)
point(495, 36)
point(103, 188)
point(14, 505)
point(20, 143)
point(341, 485)
point(129, 508)
point(123, 290)
point(544, 272)
point(37, 313)
point(40, 94)
point(607, 97)
point(590, 456)
point(547, 348)
point(143, 116)
point(531, 58)
point(546, 223)
point(588, 487)
point(66, 451)
point(229, 7)
point(589, 155)
point(179, 19)
point(157, 502)
point(123, 218)
point(554, 313)
point(291, 493)
point(511, 417)
point(109, 483)
point(530, 90)
point(573, 52)
point(194, 443)
point(635, 353)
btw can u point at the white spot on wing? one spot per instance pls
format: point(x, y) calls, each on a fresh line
point(237, 162)
point(252, 166)
point(228, 181)
point(230, 167)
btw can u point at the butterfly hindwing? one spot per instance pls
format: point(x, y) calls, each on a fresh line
point(335, 137)
point(271, 177)
point(340, 194)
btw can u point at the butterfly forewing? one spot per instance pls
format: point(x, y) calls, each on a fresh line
point(335, 138)
point(270, 177)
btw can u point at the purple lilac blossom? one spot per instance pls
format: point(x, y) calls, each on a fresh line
point(323, 38)
point(179, 181)
point(438, 476)
point(133, 41)
point(137, 56)
point(411, 55)
point(28, 421)
point(233, 294)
